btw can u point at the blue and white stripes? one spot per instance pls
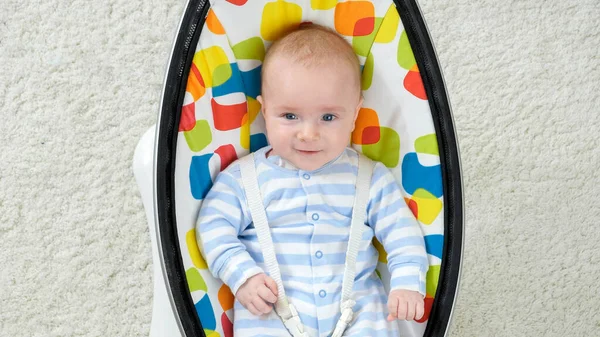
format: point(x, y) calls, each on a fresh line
point(309, 216)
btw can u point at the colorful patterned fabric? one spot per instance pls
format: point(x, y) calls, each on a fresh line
point(220, 122)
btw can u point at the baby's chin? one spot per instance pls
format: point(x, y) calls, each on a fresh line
point(310, 164)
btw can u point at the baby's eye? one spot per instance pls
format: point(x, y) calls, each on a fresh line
point(328, 117)
point(290, 116)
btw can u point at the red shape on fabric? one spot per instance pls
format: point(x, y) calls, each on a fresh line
point(188, 117)
point(227, 154)
point(238, 2)
point(364, 26)
point(428, 305)
point(414, 207)
point(228, 117)
point(227, 325)
point(198, 75)
point(371, 135)
point(414, 84)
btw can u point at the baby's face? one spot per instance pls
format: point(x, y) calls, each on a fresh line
point(309, 112)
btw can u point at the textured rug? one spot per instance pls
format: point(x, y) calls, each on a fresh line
point(80, 82)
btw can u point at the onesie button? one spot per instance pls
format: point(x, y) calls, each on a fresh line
point(315, 216)
point(306, 176)
point(319, 254)
point(322, 293)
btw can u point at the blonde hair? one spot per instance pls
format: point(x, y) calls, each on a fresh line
point(313, 45)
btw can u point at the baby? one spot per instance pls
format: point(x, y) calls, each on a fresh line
point(311, 96)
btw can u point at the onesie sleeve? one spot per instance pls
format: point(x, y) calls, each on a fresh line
point(398, 231)
point(222, 218)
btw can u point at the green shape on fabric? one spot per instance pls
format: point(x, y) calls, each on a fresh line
point(199, 137)
point(424, 194)
point(427, 144)
point(221, 74)
point(386, 150)
point(250, 49)
point(362, 44)
point(195, 280)
point(432, 279)
point(367, 74)
point(406, 58)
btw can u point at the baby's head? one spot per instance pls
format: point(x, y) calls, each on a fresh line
point(311, 95)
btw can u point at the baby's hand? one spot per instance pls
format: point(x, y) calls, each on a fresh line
point(405, 305)
point(258, 294)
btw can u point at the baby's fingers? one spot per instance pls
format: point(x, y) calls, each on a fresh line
point(253, 309)
point(267, 295)
point(410, 310)
point(272, 285)
point(392, 307)
point(402, 310)
point(420, 310)
point(261, 306)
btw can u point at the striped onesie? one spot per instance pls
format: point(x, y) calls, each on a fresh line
point(309, 213)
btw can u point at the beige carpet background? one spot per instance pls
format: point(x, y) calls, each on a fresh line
point(80, 82)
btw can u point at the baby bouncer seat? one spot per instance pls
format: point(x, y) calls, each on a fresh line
point(210, 117)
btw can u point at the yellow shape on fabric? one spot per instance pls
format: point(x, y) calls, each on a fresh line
point(211, 333)
point(389, 26)
point(194, 251)
point(323, 4)
point(278, 18)
point(253, 109)
point(213, 65)
point(382, 252)
point(432, 279)
point(428, 205)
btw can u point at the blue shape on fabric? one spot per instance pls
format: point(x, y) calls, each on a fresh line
point(258, 141)
point(200, 180)
point(415, 176)
point(206, 313)
point(251, 81)
point(434, 244)
point(233, 84)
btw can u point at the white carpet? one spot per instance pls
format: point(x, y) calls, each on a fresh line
point(81, 82)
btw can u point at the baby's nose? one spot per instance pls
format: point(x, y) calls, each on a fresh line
point(309, 134)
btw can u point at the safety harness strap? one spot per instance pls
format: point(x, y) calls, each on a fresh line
point(283, 308)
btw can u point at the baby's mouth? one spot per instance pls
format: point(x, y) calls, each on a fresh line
point(308, 152)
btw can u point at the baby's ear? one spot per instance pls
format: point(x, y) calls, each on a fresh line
point(358, 107)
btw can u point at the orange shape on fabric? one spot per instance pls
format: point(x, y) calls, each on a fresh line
point(350, 17)
point(213, 23)
point(413, 206)
point(228, 117)
point(195, 84)
point(225, 298)
point(188, 117)
point(366, 118)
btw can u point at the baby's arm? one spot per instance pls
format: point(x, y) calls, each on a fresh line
point(397, 229)
point(222, 217)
